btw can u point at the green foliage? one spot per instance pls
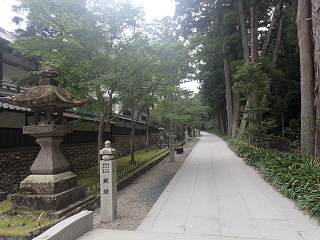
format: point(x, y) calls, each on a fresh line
point(103, 52)
point(212, 126)
point(21, 225)
point(294, 175)
point(251, 83)
point(251, 79)
point(179, 108)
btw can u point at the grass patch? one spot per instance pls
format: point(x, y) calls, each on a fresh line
point(5, 205)
point(89, 178)
point(18, 223)
point(21, 225)
point(124, 162)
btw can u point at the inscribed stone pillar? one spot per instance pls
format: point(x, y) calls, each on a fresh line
point(171, 148)
point(108, 184)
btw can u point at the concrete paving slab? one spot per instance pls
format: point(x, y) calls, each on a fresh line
point(201, 210)
point(103, 234)
point(241, 233)
point(203, 225)
point(277, 229)
point(216, 196)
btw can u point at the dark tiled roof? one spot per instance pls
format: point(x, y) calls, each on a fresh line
point(6, 35)
point(4, 105)
point(13, 107)
point(9, 106)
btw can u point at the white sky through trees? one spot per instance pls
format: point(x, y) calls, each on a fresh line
point(154, 9)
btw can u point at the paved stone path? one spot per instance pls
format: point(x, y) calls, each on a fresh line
point(215, 196)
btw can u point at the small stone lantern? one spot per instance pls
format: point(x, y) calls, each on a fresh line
point(186, 137)
point(51, 186)
point(161, 144)
point(108, 183)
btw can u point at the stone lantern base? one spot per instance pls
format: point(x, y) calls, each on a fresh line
point(47, 192)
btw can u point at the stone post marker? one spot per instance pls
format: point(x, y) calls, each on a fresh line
point(186, 138)
point(108, 184)
point(192, 133)
point(171, 148)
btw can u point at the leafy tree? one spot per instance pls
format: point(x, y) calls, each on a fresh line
point(96, 46)
point(178, 108)
point(251, 78)
point(169, 63)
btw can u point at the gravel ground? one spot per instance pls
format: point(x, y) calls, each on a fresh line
point(136, 200)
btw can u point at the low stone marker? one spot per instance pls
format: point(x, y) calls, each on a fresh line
point(108, 184)
point(171, 148)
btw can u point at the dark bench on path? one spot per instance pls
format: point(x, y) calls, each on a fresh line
point(179, 150)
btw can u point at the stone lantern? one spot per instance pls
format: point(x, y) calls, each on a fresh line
point(51, 186)
point(161, 144)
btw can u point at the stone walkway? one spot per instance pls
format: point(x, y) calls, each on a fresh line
point(215, 196)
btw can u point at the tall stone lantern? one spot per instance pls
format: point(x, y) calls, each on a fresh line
point(51, 186)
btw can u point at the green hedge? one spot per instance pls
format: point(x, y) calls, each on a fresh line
point(294, 175)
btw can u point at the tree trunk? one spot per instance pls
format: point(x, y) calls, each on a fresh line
point(243, 29)
point(153, 111)
point(254, 33)
point(133, 131)
point(246, 56)
point(282, 123)
point(236, 114)
point(244, 122)
point(271, 27)
point(278, 41)
point(147, 130)
point(307, 77)
point(221, 124)
point(228, 91)
point(100, 137)
point(316, 42)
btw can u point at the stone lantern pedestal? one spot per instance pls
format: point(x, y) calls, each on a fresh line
point(51, 186)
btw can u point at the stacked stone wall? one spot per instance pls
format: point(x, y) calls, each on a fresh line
point(15, 166)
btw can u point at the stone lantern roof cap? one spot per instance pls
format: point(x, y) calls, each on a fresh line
point(46, 94)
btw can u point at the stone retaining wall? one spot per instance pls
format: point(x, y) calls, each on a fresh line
point(16, 165)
